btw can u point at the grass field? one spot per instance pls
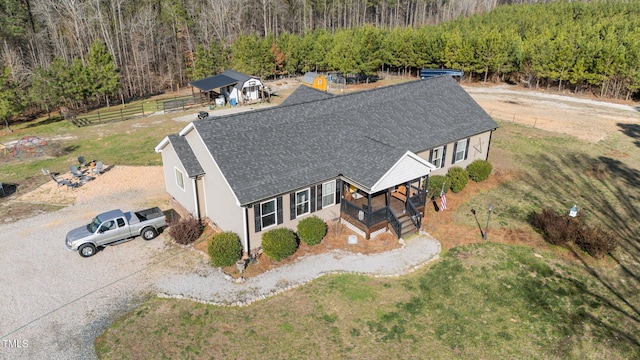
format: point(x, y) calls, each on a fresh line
point(479, 301)
point(488, 301)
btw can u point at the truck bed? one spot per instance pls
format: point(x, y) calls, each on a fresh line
point(143, 215)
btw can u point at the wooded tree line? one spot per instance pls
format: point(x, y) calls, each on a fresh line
point(576, 46)
point(77, 52)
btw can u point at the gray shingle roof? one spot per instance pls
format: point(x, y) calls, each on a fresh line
point(309, 77)
point(360, 136)
point(186, 155)
point(304, 94)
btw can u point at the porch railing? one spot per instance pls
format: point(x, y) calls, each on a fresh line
point(367, 218)
point(419, 199)
point(414, 214)
point(394, 222)
point(371, 218)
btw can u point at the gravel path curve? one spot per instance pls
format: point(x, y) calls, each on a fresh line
point(210, 286)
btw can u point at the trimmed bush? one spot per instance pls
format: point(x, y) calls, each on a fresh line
point(479, 170)
point(279, 243)
point(435, 185)
point(311, 230)
point(459, 178)
point(224, 249)
point(185, 231)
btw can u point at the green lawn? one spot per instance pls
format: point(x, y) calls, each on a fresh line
point(129, 142)
point(479, 301)
point(488, 301)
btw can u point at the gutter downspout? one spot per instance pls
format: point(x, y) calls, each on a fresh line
point(195, 193)
point(489, 144)
point(245, 225)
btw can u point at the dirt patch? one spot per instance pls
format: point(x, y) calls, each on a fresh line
point(147, 180)
point(584, 117)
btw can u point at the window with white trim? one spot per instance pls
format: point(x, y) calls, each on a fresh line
point(436, 157)
point(328, 193)
point(302, 202)
point(461, 149)
point(179, 179)
point(268, 215)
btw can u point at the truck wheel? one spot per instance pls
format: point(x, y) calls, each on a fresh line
point(87, 250)
point(149, 233)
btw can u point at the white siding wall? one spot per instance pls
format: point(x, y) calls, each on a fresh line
point(170, 162)
point(220, 203)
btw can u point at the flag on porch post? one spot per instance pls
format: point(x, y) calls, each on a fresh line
point(443, 199)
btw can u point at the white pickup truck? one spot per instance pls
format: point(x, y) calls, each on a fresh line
point(115, 227)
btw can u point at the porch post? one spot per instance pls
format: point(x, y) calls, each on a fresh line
point(387, 197)
point(368, 212)
point(407, 185)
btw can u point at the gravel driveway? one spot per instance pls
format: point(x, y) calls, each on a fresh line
point(55, 303)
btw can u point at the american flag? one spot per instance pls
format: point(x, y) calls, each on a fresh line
point(443, 200)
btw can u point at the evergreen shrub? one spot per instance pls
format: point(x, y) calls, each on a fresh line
point(279, 243)
point(459, 178)
point(224, 249)
point(435, 185)
point(479, 170)
point(311, 230)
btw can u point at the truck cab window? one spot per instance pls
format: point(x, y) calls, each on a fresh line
point(109, 225)
point(120, 222)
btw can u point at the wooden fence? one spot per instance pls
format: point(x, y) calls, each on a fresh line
point(181, 102)
point(106, 116)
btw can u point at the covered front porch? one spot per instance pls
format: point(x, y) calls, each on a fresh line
point(398, 208)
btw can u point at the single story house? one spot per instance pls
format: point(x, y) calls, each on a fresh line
point(363, 157)
point(237, 88)
point(315, 80)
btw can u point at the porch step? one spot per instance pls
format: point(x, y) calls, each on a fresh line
point(407, 226)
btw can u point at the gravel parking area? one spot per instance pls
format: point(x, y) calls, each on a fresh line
point(54, 302)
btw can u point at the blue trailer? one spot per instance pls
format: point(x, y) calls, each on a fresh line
point(427, 73)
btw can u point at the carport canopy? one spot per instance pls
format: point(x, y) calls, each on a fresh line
point(213, 82)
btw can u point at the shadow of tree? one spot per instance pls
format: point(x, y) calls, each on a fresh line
point(607, 191)
point(8, 189)
point(558, 311)
point(51, 120)
point(631, 130)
